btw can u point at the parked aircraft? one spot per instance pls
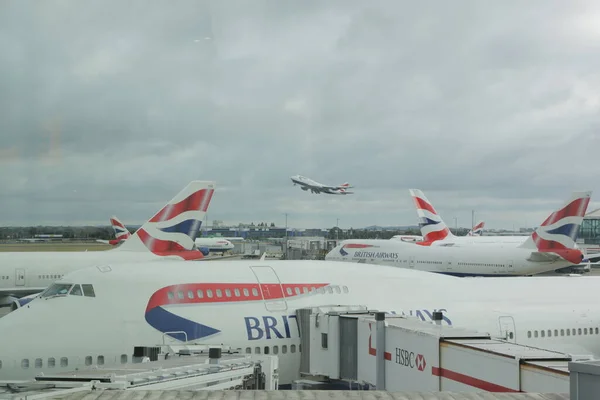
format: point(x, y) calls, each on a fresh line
point(206, 245)
point(436, 232)
point(95, 316)
point(121, 232)
point(318, 188)
point(170, 233)
point(214, 244)
point(477, 230)
point(550, 247)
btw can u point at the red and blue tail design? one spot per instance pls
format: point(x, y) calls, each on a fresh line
point(121, 233)
point(477, 229)
point(173, 230)
point(432, 226)
point(558, 233)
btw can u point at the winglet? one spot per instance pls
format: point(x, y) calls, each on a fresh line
point(172, 231)
point(432, 226)
point(558, 233)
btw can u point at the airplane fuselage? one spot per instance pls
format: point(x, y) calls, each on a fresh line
point(480, 260)
point(252, 305)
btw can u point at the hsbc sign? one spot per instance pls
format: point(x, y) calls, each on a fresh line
point(410, 359)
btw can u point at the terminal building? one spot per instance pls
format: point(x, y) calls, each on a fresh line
point(589, 232)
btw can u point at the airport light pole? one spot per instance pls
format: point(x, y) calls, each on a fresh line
point(286, 237)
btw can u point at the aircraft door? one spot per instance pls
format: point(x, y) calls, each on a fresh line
point(270, 288)
point(449, 264)
point(19, 277)
point(411, 262)
point(507, 328)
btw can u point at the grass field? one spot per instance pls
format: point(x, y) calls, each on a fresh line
point(55, 247)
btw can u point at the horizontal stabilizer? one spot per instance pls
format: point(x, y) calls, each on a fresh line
point(572, 255)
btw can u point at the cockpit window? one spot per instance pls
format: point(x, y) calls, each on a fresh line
point(57, 289)
point(88, 290)
point(76, 291)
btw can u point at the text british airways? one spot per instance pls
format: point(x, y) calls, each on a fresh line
point(269, 327)
point(375, 254)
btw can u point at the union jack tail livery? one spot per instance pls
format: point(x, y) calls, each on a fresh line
point(556, 236)
point(173, 230)
point(432, 226)
point(121, 233)
point(477, 229)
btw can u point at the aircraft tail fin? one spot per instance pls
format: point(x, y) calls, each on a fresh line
point(558, 233)
point(477, 229)
point(432, 226)
point(121, 233)
point(172, 231)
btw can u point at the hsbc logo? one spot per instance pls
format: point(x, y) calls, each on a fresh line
point(410, 359)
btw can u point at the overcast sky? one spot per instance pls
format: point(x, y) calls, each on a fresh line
point(111, 107)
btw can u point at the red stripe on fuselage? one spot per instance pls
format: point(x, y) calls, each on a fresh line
point(188, 293)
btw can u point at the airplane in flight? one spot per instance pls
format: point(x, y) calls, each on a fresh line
point(318, 188)
point(206, 245)
point(169, 234)
point(477, 230)
point(551, 247)
point(93, 317)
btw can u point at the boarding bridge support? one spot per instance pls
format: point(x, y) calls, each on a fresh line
point(329, 341)
point(380, 351)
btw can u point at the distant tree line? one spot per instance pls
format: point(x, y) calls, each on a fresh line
point(68, 232)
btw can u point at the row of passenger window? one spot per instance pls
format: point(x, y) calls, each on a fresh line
point(246, 293)
point(429, 262)
point(481, 265)
point(563, 332)
point(51, 276)
point(64, 362)
point(4, 277)
point(267, 349)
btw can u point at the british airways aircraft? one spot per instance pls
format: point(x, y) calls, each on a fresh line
point(551, 247)
point(95, 316)
point(318, 188)
point(436, 232)
point(477, 230)
point(121, 232)
point(205, 245)
point(170, 233)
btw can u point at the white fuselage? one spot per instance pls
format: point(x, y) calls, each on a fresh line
point(242, 306)
point(24, 273)
point(458, 260)
point(214, 244)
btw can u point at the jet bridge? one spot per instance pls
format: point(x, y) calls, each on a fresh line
point(185, 367)
point(341, 343)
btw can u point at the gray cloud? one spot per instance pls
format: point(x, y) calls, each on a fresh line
point(111, 108)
